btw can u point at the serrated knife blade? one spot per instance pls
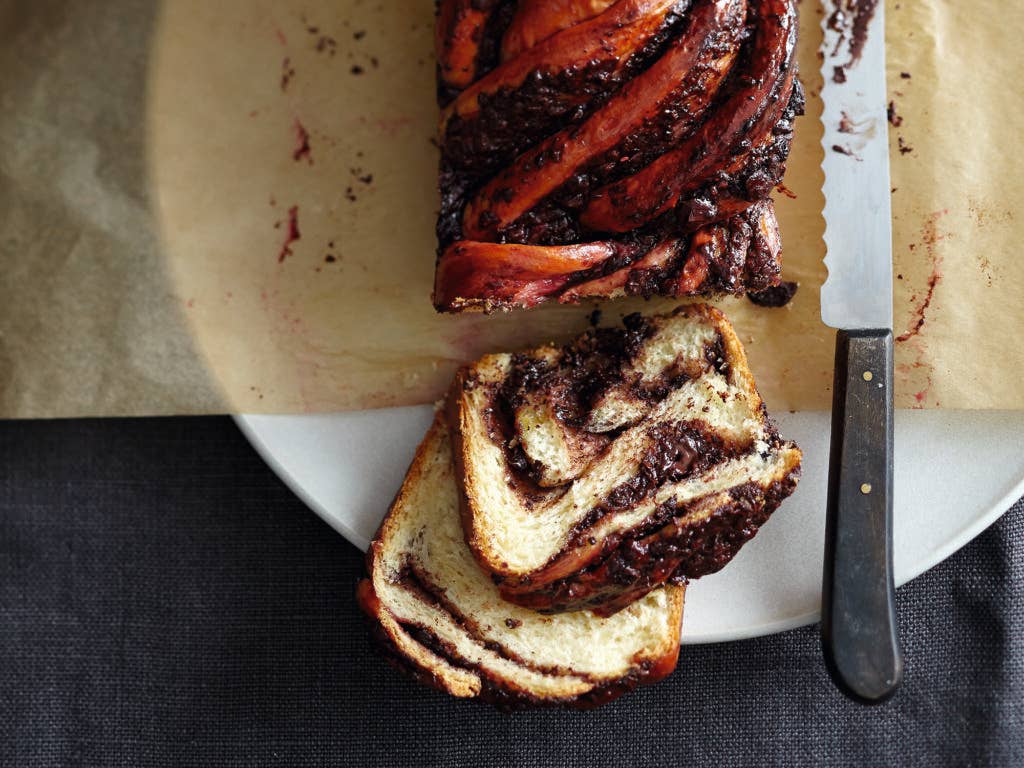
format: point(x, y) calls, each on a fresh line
point(858, 621)
point(858, 224)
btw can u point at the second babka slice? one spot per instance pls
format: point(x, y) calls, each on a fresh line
point(630, 457)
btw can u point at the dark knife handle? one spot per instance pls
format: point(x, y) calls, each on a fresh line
point(858, 611)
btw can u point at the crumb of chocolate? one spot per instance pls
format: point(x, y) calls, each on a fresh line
point(374, 62)
point(894, 119)
point(903, 146)
point(327, 44)
point(838, 75)
point(359, 34)
point(357, 70)
point(366, 178)
point(287, 73)
point(350, 195)
point(921, 310)
point(905, 75)
point(330, 258)
point(777, 296)
point(513, 623)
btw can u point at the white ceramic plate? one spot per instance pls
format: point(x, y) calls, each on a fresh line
point(956, 473)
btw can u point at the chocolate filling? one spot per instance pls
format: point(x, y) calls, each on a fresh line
point(510, 120)
point(666, 549)
point(776, 296)
point(415, 579)
point(585, 368)
point(494, 691)
point(676, 452)
point(580, 373)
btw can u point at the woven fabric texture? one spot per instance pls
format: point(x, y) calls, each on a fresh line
point(166, 601)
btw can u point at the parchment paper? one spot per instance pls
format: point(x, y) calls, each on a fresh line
point(232, 91)
point(89, 323)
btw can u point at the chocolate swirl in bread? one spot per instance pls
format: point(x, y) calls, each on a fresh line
point(631, 457)
point(597, 149)
point(438, 616)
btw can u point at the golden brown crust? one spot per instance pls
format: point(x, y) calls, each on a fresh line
point(537, 20)
point(749, 116)
point(718, 258)
point(615, 126)
point(547, 166)
point(454, 415)
point(458, 32)
point(611, 37)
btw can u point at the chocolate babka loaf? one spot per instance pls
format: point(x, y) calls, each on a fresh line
point(594, 149)
point(635, 456)
point(439, 616)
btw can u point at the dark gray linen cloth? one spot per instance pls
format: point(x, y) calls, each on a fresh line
point(166, 601)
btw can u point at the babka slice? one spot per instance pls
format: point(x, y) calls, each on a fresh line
point(631, 457)
point(440, 617)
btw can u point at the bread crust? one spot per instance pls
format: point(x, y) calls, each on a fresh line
point(578, 137)
point(495, 691)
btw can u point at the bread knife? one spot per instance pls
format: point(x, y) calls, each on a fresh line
point(858, 612)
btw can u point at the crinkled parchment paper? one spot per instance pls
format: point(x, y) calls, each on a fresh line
point(89, 323)
point(230, 205)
